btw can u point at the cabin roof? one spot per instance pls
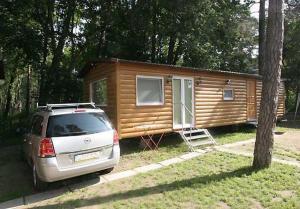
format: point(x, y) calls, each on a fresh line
point(89, 65)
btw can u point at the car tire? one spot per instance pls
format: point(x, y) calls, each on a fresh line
point(38, 184)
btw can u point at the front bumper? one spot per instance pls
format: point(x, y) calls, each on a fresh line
point(49, 171)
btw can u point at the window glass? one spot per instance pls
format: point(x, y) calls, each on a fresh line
point(149, 91)
point(228, 94)
point(99, 92)
point(36, 127)
point(77, 124)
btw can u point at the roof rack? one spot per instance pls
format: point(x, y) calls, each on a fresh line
point(50, 107)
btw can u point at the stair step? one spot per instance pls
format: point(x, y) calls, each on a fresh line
point(193, 131)
point(196, 137)
point(200, 142)
point(189, 138)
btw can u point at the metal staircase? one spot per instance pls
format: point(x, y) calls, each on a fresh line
point(195, 137)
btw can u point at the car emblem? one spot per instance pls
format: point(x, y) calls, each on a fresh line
point(87, 140)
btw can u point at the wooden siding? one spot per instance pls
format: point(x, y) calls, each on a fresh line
point(109, 72)
point(210, 108)
point(281, 98)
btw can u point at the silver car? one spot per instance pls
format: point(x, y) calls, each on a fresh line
point(68, 140)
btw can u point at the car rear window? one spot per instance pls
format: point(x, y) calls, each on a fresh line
point(77, 124)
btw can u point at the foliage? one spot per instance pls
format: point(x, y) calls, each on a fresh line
point(44, 43)
point(291, 52)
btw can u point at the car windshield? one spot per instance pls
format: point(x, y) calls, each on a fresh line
point(77, 124)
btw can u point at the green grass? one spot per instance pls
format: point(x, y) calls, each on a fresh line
point(204, 182)
point(172, 145)
point(286, 153)
point(233, 134)
point(15, 176)
point(285, 126)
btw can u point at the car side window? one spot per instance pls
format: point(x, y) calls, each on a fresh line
point(36, 127)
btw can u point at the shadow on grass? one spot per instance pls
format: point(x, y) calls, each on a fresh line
point(132, 145)
point(196, 182)
point(295, 124)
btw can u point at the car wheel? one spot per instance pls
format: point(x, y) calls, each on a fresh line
point(38, 184)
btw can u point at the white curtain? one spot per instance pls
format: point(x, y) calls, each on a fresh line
point(149, 90)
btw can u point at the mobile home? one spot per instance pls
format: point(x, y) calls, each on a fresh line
point(165, 98)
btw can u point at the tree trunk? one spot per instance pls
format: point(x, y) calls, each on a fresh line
point(271, 81)
point(261, 34)
point(8, 97)
point(154, 31)
point(171, 48)
point(27, 106)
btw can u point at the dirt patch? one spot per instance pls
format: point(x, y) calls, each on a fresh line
point(255, 204)
point(286, 146)
point(222, 205)
point(289, 140)
point(286, 193)
point(190, 205)
point(15, 175)
point(276, 199)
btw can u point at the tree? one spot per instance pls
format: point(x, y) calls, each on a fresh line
point(291, 53)
point(271, 81)
point(261, 34)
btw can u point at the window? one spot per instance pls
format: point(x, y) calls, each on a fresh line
point(36, 127)
point(149, 90)
point(77, 124)
point(228, 94)
point(98, 90)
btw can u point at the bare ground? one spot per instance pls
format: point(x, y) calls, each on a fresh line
point(286, 146)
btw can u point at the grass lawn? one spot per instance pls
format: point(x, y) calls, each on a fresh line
point(215, 180)
point(172, 145)
point(15, 176)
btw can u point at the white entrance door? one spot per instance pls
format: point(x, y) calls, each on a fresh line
point(183, 102)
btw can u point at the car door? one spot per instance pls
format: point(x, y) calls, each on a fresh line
point(32, 138)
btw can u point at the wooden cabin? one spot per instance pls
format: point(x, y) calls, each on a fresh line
point(165, 98)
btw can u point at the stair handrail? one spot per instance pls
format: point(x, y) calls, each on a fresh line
point(191, 114)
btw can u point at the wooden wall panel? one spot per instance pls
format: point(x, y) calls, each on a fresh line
point(281, 98)
point(210, 108)
point(108, 71)
point(132, 117)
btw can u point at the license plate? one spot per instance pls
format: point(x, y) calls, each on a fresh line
point(87, 156)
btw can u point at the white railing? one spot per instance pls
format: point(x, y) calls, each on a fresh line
point(190, 125)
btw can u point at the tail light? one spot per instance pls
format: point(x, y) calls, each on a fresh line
point(46, 148)
point(116, 137)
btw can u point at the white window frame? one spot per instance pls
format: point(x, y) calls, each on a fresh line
point(152, 103)
point(228, 98)
point(91, 92)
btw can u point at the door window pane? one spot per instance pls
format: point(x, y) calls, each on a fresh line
point(188, 89)
point(149, 91)
point(177, 101)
